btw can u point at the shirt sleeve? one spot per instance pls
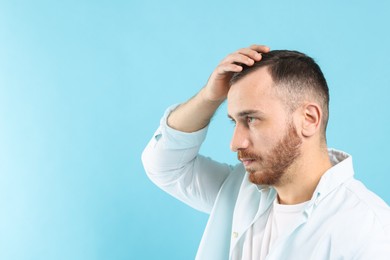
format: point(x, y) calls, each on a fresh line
point(172, 162)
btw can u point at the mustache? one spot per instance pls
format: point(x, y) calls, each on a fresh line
point(241, 154)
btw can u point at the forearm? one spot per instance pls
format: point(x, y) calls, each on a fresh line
point(172, 162)
point(193, 115)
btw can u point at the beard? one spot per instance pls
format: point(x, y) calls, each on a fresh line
point(270, 168)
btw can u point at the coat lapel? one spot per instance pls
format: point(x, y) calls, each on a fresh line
point(216, 237)
point(251, 203)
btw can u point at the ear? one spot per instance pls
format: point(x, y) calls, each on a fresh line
point(312, 116)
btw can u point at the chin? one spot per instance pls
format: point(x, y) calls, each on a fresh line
point(262, 178)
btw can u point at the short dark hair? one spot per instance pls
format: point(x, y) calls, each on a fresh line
point(297, 75)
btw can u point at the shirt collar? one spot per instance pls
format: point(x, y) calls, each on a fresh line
point(339, 173)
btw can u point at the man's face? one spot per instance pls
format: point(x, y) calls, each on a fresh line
point(265, 138)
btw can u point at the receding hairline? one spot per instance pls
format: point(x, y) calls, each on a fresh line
point(276, 87)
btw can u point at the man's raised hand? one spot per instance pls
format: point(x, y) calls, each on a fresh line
point(217, 86)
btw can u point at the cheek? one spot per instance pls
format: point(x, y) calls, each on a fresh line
point(263, 141)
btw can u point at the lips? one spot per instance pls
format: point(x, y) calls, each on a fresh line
point(247, 158)
point(247, 161)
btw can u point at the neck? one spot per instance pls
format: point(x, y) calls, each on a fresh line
point(303, 177)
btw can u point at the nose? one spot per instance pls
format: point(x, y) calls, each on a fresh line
point(240, 139)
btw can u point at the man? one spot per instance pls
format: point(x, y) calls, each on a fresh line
point(291, 197)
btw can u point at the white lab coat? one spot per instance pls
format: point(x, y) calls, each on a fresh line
point(343, 220)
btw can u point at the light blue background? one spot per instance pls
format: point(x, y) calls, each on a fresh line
point(83, 85)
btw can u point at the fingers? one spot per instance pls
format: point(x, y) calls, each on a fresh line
point(254, 52)
point(260, 48)
point(247, 56)
point(218, 84)
point(228, 67)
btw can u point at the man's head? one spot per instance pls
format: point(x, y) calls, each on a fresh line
point(280, 107)
point(296, 77)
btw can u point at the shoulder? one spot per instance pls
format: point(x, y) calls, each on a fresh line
point(368, 203)
point(372, 222)
point(354, 213)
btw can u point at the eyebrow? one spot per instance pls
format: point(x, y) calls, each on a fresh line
point(246, 113)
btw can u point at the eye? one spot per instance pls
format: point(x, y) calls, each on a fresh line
point(250, 120)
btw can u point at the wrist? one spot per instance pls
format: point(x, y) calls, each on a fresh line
point(210, 99)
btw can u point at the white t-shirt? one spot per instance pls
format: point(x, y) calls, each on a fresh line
point(282, 221)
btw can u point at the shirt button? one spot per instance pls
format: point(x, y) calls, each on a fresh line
point(235, 235)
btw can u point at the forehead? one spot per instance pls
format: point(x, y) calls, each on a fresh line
point(255, 91)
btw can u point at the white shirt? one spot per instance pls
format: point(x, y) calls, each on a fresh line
point(342, 220)
point(282, 220)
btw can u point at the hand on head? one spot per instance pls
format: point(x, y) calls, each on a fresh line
point(217, 86)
